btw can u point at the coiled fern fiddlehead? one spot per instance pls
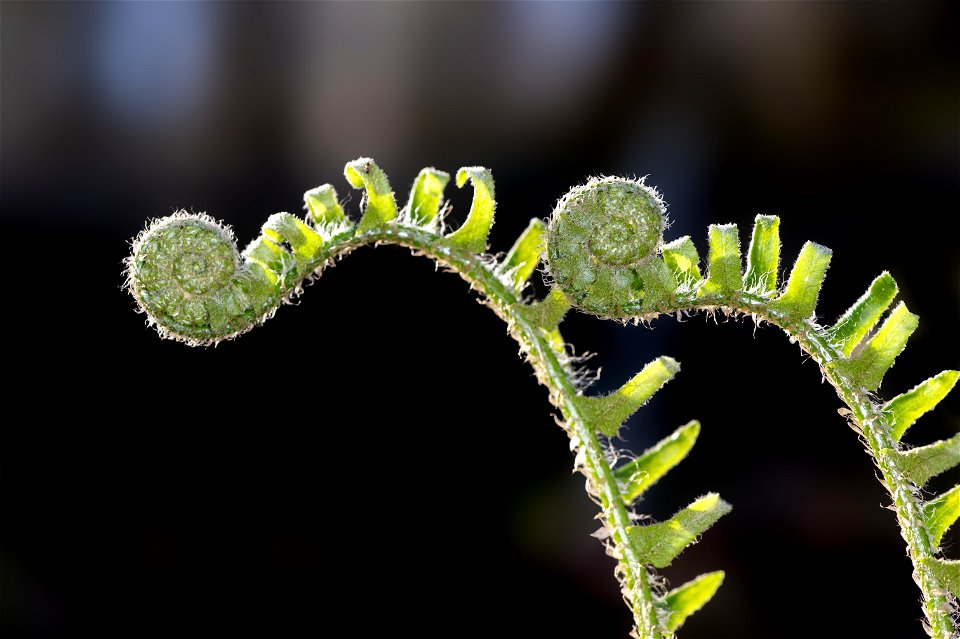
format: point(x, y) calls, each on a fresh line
point(605, 254)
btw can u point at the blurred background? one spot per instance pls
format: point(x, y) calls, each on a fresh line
point(379, 458)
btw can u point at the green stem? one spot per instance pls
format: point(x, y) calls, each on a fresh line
point(557, 377)
point(549, 364)
point(909, 511)
point(184, 272)
point(876, 435)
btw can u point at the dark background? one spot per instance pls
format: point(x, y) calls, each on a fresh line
point(379, 458)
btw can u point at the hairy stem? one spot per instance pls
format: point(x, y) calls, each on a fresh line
point(870, 422)
point(552, 371)
point(186, 274)
point(877, 438)
point(549, 362)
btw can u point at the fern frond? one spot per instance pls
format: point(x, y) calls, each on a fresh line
point(322, 206)
point(548, 312)
point(799, 299)
point(947, 573)
point(637, 475)
point(865, 368)
point(472, 236)
point(941, 513)
point(659, 544)
point(605, 254)
point(681, 602)
point(723, 261)
point(863, 315)
point(523, 256)
point(903, 410)
point(379, 205)
point(920, 464)
point(763, 258)
point(606, 414)
point(682, 258)
point(426, 196)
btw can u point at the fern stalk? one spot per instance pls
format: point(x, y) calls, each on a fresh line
point(548, 360)
point(605, 254)
point(936, 607)
point(874, 427)
point(552, 371)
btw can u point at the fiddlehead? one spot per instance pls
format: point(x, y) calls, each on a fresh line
point(603, 243)
point(853, 354)
point(195, 287)
point(605, 253)
point(187, 275)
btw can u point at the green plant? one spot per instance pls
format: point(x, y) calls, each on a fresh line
point(605, 255)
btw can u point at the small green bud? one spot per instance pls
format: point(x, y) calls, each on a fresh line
point(602, 241)
point(187, 276)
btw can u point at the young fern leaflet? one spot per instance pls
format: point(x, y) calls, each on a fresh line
point(605, 255)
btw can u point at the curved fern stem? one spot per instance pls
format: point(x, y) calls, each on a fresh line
point(855, 374)
point(605, 254)
point(875, 425)
point(544, 348)
point(545, 351)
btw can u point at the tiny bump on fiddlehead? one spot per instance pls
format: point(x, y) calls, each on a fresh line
point(603, 246)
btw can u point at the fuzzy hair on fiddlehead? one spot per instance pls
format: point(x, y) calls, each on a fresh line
point(603, 243)
point(187, 275)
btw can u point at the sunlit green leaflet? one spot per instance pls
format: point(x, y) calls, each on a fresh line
point(604, 253)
